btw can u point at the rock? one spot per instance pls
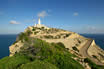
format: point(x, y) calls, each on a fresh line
point(14, 48)
point(53, 35)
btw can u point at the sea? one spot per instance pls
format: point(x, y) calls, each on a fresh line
point(7, 40)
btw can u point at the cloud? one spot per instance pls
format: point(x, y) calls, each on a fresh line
point(14, 22)
point(93, 30)
point(43, 14)
point(76, 14)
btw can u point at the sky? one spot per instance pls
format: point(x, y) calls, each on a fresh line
point(81, 16)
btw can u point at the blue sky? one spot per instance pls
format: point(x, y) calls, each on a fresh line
point(81, 16)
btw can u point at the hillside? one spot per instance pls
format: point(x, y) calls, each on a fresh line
point(50, 48)
point(70, 40)
point(36, 53)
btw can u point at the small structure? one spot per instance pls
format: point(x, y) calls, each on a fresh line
point(39, 25)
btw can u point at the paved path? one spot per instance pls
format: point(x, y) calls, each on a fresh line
point(84, 53)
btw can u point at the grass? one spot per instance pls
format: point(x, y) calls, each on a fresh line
point(40, 54)
point(37, 64)
point(13, 62)
point(55, 54)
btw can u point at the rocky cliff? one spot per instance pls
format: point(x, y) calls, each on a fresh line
point(73, 42)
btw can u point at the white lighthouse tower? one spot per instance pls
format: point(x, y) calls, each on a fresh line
point(39, 25)
point(39, 22)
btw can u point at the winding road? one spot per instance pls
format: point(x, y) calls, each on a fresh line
point(84, 53)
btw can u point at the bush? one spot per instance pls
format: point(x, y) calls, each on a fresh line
point(37, 64)
point(67, 35)
point(36, 32)
point(23, 36)
point(42, 28)
point(33, 29)
point(28, 33)
point(61, 44)
point(48, 36)
point(92, 64)
point(94, 56)
point(75, 48)
point(13, 62)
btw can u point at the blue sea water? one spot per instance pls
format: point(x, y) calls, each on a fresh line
point(99, 39)
point(7, 40)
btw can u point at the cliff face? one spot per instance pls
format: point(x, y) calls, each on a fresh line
point(72, 41)
point(51, 35)
point(96, 52)
point(15, 47)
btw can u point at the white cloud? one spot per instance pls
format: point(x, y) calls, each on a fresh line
point(14, 22)
point(42, 14)
point(93, 30)
point(90, 28)
point(76, 14)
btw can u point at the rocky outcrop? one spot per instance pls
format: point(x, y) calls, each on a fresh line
point(14, 48)
point(71, 40)
point(96, 52)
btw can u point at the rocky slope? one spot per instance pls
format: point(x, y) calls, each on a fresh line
point(39, 54)
point(73, 42)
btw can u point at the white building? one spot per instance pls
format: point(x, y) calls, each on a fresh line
point(39, 25)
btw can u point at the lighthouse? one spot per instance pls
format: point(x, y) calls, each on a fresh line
point(39, 25)
point(39, 22)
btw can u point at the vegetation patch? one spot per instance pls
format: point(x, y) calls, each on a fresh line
point(34, 29)
point(48, 36)
point(13, 62)
point(39, 54)
point(92, 64)
point(37, 64)
point(75, 48)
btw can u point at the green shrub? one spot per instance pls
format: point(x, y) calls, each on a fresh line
point(33, 29)
point(37, 64)
point(61, 44)
point(36, 32)
point(13, 62)
point(23, 37)
point(75, 48)
point(94, 56)
point(28, 32)
point(67, 35)
point(48, 36)
point(92, 64)
point(42, 28)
